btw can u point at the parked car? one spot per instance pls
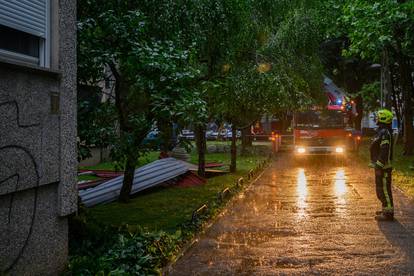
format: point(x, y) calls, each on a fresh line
point(227, 134)
point(187, 134)
point(211, 135)
point(153, 140)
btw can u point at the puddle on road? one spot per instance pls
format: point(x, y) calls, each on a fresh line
point(268, 264)
point(252, 239)
point(341, 192)
point(284, 262)
point(340, 183)
point(327, 196)
point(302, 192)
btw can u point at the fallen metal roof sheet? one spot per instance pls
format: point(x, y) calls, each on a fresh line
point(83, 185)
point(208, 171)
point(145, 177)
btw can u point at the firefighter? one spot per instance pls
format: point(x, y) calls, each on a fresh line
point(381, 156)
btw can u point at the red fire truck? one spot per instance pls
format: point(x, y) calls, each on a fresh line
point(323, 132)
point(326, 130)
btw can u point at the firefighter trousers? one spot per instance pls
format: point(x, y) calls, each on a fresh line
point(383, 189)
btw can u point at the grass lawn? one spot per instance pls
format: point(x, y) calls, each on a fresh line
point(87, 177)
point(403, 176)
point(166, 208)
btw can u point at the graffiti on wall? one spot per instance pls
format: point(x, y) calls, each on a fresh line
point(19, 175)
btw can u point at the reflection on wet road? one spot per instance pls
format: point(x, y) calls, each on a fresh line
point(303, 219)
point(302, 192)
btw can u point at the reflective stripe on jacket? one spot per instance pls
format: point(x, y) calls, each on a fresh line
point(381, 148)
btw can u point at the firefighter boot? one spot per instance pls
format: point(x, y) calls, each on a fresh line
point(385, 216)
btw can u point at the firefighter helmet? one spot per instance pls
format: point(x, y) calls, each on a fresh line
point(384, 116)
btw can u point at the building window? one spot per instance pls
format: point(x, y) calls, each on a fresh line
point(24, 31)
point(21, 43)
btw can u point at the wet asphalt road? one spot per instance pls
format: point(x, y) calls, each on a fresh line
point(311, 218)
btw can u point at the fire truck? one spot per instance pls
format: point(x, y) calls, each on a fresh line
point(326, 130)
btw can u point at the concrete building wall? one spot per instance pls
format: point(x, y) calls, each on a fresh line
point(38, 154)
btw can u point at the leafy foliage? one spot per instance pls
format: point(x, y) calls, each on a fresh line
point(371, 94)
point(373, 25)
point(128, 254)
point(96, 126)
point(102, 250)
point(382, 31)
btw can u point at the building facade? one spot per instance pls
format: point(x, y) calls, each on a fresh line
point(37, 134)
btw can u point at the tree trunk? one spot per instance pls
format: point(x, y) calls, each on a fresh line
point(100, 154)
point(386, 89)
point(360, 113)
point(246, 139)
point(395, 100)
point(124, 128)
point(406, 86)
point(396, 108)
point(285, 124)
point(166, 134)
point(128, 179)
point(233, 163)
point(407, 89)
point(267, 126)
point(200, 133)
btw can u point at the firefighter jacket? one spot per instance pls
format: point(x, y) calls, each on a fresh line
point(382, 148)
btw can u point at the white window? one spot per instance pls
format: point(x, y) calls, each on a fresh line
point(24, 31)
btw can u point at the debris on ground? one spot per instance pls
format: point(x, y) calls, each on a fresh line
point(145, 177)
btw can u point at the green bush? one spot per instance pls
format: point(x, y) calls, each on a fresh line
point(130, 254)
point(102, 250)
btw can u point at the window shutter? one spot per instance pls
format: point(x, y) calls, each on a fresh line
point(28, 16)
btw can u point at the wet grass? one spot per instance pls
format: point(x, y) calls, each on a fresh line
point(403, 175)
point(167, 208)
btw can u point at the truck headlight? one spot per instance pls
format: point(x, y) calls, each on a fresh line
point(339, 150)
point(301, 150)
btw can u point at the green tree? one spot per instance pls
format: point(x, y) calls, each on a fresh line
point(371, 93)
point(378, 29)
point(217, 29)
point(275, 70)
point(150, 74)
point(251, 57)
point(96, 127)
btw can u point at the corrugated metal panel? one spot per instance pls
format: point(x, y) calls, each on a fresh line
point(145, 177)
point(190, 179)
point(29, 16)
